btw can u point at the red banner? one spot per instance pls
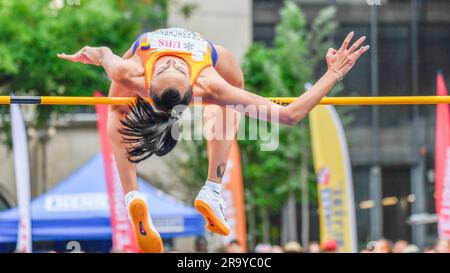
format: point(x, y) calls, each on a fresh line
point(442, 162)
point(122, 234)
point(233, 194)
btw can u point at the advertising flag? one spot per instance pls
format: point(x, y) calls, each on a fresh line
point(334, 179)
point(122, 233)
point(233, 194)
point(22, 172)
point(442, 162)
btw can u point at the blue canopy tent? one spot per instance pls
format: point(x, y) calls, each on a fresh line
point(77, 209)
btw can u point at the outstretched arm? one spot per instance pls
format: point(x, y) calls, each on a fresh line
point(339, 63)
point(124, 71)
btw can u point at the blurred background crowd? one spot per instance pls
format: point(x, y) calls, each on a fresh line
point(331, 246)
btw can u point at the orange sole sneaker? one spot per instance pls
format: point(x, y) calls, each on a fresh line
point(148, 241)
point(214, 224)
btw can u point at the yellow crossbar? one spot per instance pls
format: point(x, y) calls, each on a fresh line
point(56, 100)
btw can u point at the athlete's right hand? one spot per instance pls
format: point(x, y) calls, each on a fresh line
point(86, 55)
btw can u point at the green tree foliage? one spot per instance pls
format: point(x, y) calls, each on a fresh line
point(32, 32)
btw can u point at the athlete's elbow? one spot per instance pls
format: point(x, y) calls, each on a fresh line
point(289, 118)
point(290, 121)
point(121, 75)
point(213, 90)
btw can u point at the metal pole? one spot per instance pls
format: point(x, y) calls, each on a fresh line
point(419, 204)
point(305, 198)
point(376, 216)
point(292, 205)
point(418, 172)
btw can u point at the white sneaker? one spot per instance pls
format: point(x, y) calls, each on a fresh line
point(147, 237)
point(211, 204)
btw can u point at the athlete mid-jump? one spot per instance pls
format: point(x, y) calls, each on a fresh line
point(171, 66)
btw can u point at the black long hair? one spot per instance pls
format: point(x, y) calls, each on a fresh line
point(153, 129)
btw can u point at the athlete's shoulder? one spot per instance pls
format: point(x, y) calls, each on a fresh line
point(206, 84)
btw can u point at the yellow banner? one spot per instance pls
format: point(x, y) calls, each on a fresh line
point(334, 179)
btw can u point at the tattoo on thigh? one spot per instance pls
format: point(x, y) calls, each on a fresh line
point(221, 169)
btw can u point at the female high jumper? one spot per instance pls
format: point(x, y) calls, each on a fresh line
point(172, 66)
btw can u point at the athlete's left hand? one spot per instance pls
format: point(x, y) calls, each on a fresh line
point(86, 55)
point(341, 61)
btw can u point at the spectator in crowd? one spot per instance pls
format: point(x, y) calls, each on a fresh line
point(263, 248)
point(400, 246)
point(201, 245)
point(220, 249)
point(411, 249)
point(277, 249)
point(112, 251)
point(371, 246)
point(314, 247)
point(234, 247)
point(292, 247)
point(330, 246)
point(442, 246)
point(429, 249)
point(383, 246)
